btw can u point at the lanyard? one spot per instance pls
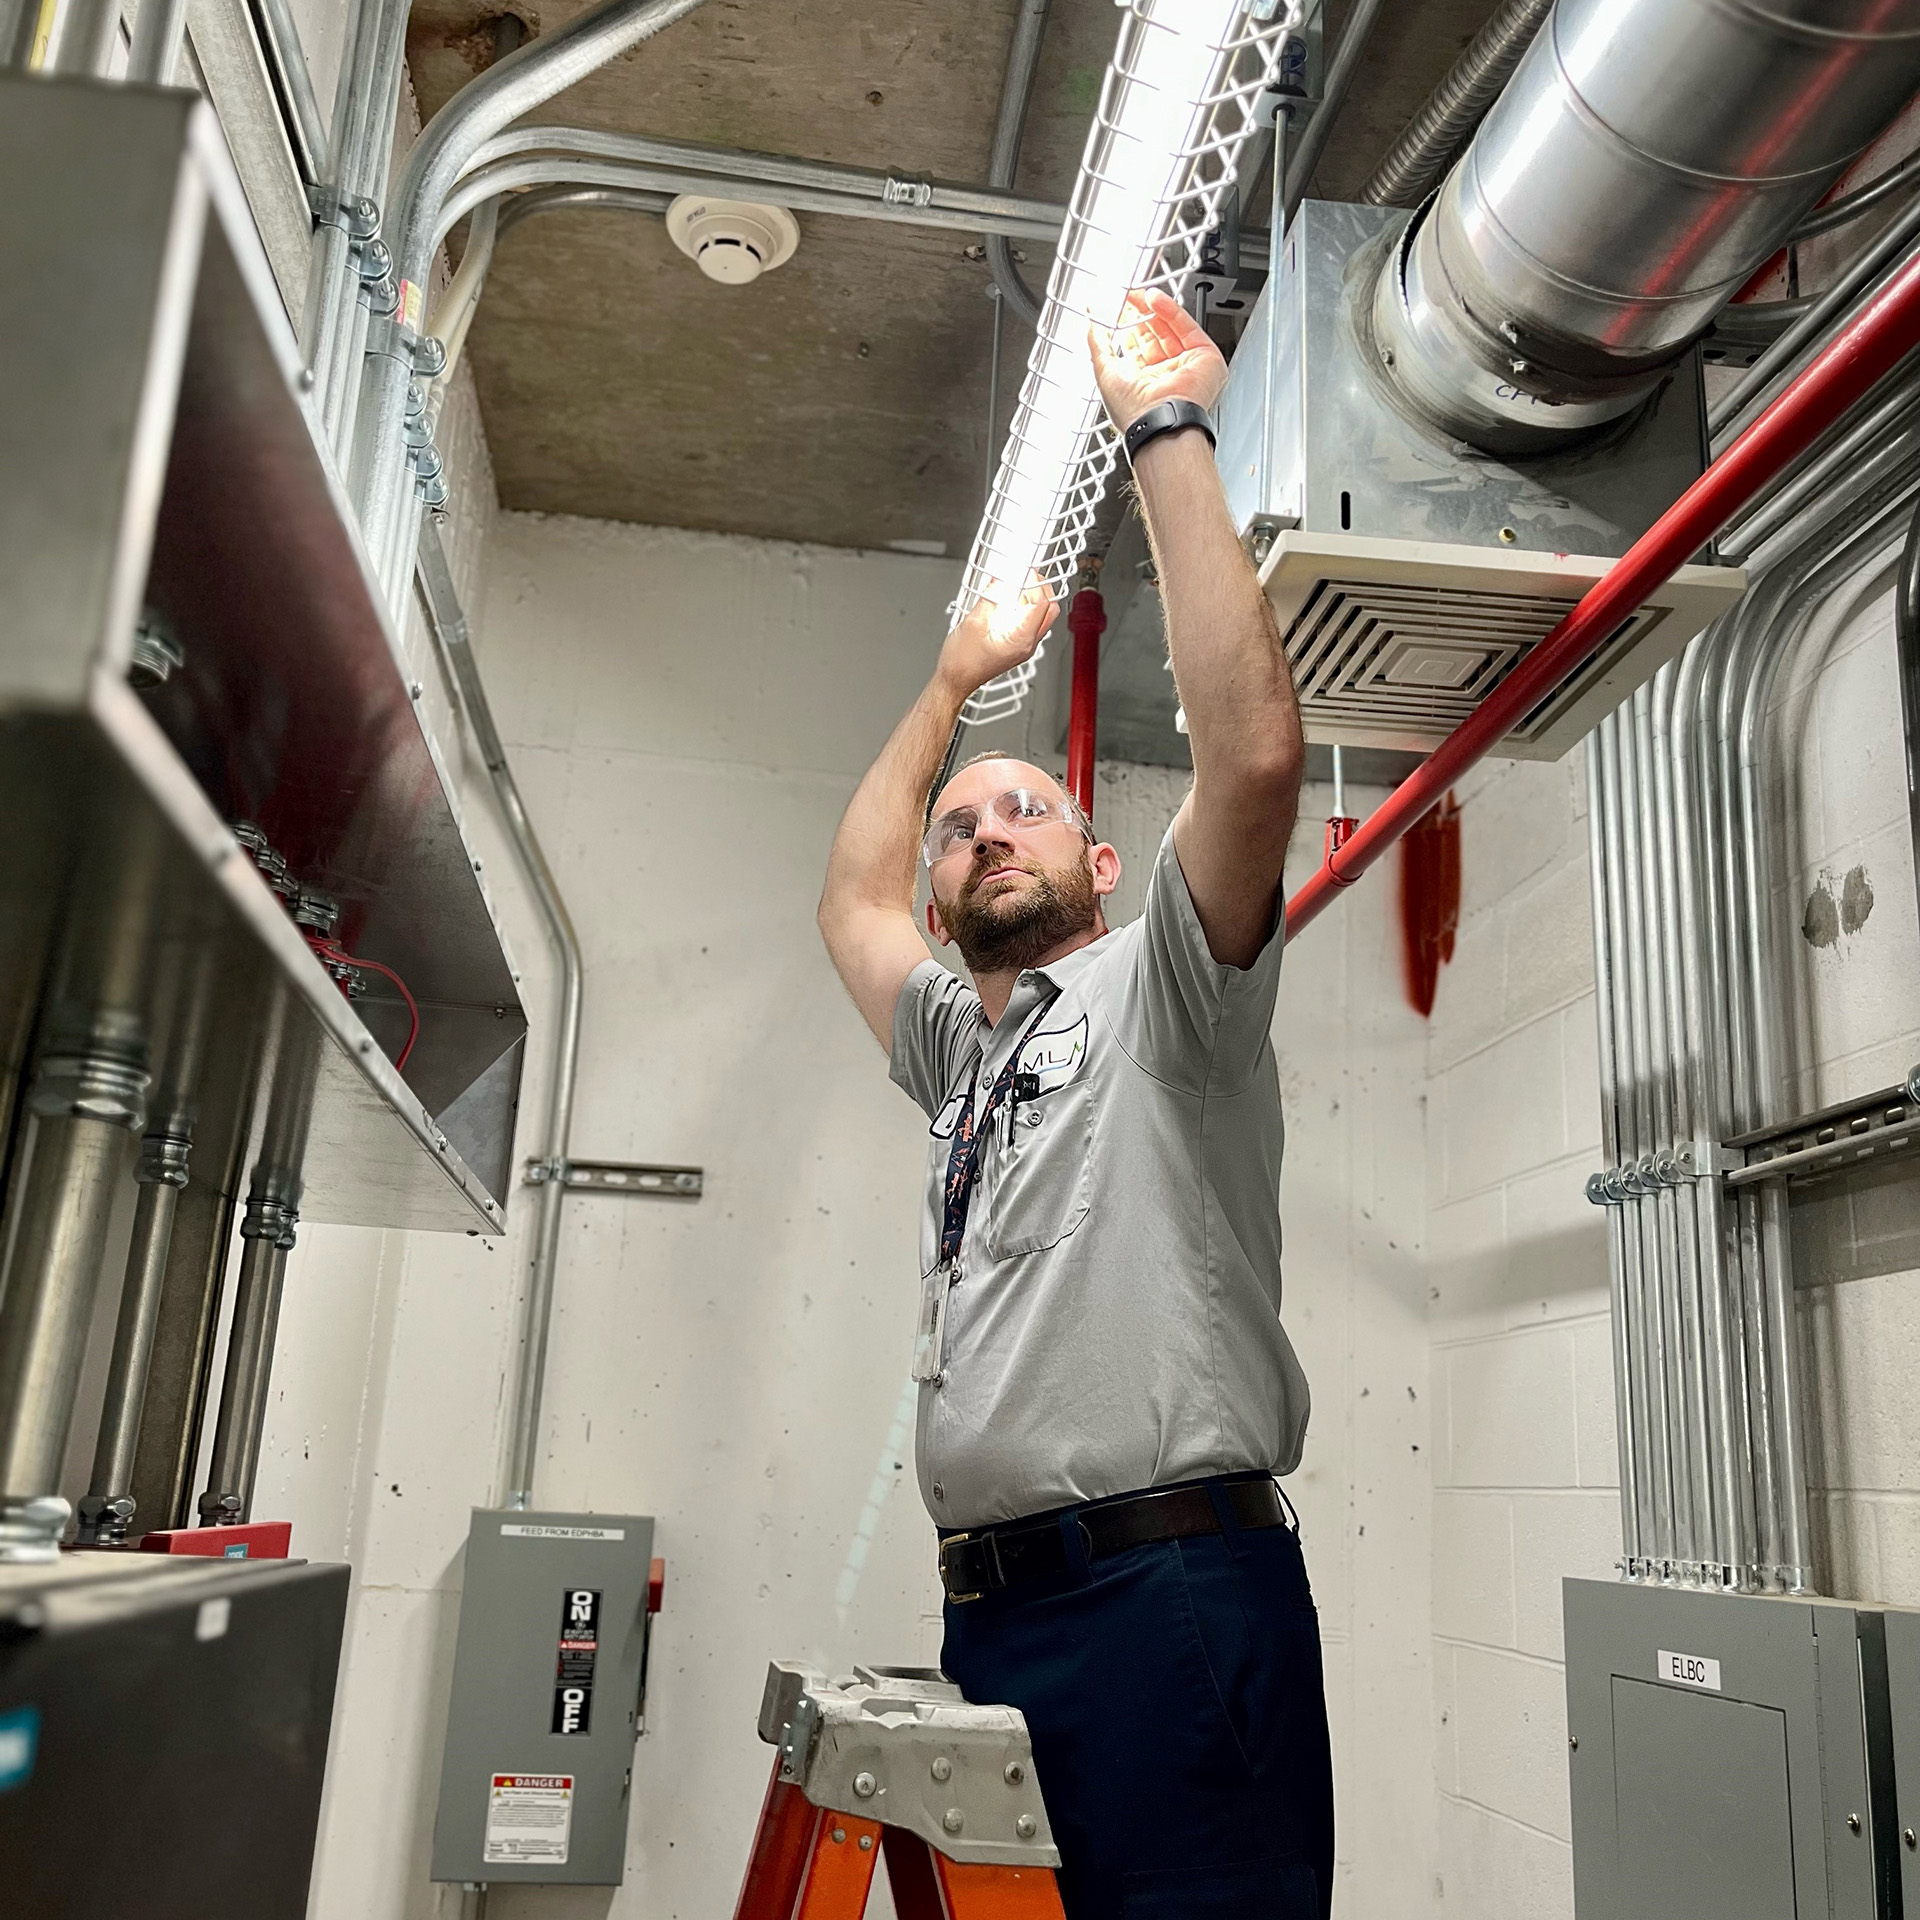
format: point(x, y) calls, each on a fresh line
point(970, 1139)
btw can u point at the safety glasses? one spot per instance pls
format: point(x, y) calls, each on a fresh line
point(1018, 810)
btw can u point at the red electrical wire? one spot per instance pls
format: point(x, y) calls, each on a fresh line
point(327, 950)
point(1855, 360)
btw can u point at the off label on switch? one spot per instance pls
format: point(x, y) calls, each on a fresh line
point(573, 1671)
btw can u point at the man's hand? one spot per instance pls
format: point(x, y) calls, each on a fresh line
point(999, 634)
point(1157, 352)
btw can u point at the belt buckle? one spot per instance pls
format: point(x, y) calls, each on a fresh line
point(956, 1540)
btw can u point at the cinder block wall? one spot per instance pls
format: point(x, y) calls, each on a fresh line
point(1525, 1475)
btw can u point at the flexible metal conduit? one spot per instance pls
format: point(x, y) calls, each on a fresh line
point(382, 481)
point(1355, 31)
point(1455, 107)
point(451, 636)
point(1645, 158)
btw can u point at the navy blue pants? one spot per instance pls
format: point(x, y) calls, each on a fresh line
point(1179, 1723)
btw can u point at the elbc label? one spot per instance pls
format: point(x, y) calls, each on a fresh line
point(1688, 1670)
point(529, 1819)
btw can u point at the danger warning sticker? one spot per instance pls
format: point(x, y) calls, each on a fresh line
point(529, 1819)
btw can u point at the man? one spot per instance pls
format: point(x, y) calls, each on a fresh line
point(1106, 1389)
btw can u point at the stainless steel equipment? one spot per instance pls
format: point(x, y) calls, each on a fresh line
point(212, 765)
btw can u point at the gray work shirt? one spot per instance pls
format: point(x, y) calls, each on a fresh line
point(1115, 1323)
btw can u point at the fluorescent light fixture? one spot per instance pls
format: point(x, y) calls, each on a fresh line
point(1178, 104)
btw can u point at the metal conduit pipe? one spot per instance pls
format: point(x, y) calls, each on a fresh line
point(293, 82)
point(1645, 158)
point(19, 24)
point(326, 312)
point(1809, 479)
point(109, 1505)
point(448, 625)
point(353, 201)
point(1764, 1350)
point(1355, 31)
point(1720, 1323)
point(1003, 160)
point(267, 1232)
point(1635, 1336)
point(157, 32)
point(1836, 213)
point(1755, 1457)
point(1657, 1128)
point(680, 166)
point(89, 1089)
point(1881, 260)
point(1606, 990)
point(508, 90)
point(1759, 853)
point(1663, 1549)
point(84, 36)
point(1432, 138)
point(517, 207)
point(1906, 635)
point(454, 312)
point(1710, 1514)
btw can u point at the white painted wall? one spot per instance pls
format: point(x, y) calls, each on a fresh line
point(688, 716)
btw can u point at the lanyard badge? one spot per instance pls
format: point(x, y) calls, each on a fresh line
point(970, 1135)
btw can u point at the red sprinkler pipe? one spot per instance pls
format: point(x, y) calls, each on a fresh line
point(1086, 621)
point(1885, 331)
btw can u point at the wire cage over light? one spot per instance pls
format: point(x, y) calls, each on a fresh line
point(1180, 100)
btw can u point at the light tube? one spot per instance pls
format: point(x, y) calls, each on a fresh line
point(1179, 102)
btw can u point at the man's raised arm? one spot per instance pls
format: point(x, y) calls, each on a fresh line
point(1248, 755)
point(866, 907)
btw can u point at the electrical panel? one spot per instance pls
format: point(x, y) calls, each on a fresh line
point(1730, 1755)
point(547, 1678)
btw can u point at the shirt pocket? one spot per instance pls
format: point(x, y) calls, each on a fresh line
point(1043, 1170)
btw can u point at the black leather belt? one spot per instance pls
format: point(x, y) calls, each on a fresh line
point(1024, 1552)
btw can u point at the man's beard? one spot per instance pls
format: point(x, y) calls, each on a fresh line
point(1008, 934)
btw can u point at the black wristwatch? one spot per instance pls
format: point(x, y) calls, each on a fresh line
point(1170, 416)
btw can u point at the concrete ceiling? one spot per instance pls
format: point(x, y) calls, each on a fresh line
point(841, 398)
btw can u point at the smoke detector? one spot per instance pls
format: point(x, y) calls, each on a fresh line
point(732, 241)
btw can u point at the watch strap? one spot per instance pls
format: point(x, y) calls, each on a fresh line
point(1170, 416)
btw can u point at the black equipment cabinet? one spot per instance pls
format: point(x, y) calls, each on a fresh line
point(163, 1735)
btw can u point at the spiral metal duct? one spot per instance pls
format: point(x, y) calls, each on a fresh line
point(1646, 157)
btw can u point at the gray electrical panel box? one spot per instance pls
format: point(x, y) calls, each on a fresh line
point(1730, 1756)
point(1903, 1703)
point(535, 1779)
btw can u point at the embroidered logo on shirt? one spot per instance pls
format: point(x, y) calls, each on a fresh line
point(1055, 1058)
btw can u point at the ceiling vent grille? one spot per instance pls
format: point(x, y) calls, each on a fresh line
point(1394, 642)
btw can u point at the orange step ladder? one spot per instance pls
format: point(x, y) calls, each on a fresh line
point(894, 1762)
